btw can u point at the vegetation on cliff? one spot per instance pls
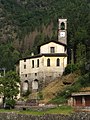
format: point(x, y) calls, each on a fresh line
point(25, 24)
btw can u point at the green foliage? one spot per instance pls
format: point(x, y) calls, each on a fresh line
point(70, 69)
point(40, 96)
point(26, 94)
point(58, 100)
point(8, 56)
point(40, 39)
point(9, 86)
point(10, 102)
point(63, 109)
point(80, 54)
point(37, 15)
point(82, 81)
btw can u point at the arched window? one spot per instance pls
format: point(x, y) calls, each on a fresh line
point(62, 26)
point(48, 62)
point(35, 84)
point(58, 62)
point(25, 86)
point(38, 63)
point(32, 63)
point(24, 66)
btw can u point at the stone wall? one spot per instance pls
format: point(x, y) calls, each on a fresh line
point(75, 116)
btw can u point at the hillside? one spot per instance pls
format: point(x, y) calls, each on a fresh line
point(25, 24)
point(55, 87)
point(59, 90)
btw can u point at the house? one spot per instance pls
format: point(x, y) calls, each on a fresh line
point(39, 70)
point(80, 99)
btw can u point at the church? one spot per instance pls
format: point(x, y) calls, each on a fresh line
point(37, 71)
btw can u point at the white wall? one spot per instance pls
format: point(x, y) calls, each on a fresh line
point(28, 64)
point(43, 72)
point(42, 66)
point(46, 48)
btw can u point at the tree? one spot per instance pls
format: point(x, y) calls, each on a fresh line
point(80, 53)
point(9, 88)
point(81, 60)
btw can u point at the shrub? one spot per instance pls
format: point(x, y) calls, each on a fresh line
point(26, 93)
point(10, 103)
point(84, 80)
point(40, 96)
point(59, 100)
point(70, 69)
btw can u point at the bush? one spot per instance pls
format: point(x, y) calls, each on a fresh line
point(85, 80)
point(9, 103)
point(59, 100)
point(70, 69)
point(40, 95)
point(26, 93)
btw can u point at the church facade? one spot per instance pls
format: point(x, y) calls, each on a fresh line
point(39, 70)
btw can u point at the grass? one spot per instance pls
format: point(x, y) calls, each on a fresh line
point(58, 100)
point(60, 110)
point(57, 86)
point(57, 110)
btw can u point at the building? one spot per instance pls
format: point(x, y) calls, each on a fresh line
point(39, 70)
point(80, 99)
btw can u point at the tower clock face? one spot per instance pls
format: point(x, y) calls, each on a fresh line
point(62, 34)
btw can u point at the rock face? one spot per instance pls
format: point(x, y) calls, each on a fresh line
point(14, 116)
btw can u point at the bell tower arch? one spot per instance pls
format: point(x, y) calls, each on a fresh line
point(62, 31)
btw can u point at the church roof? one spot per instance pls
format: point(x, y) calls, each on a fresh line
point(57, 42)
point(46, 55)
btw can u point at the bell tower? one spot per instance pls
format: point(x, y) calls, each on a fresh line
point(62, 31)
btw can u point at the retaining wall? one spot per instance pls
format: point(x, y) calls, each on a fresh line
point(75, 116)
